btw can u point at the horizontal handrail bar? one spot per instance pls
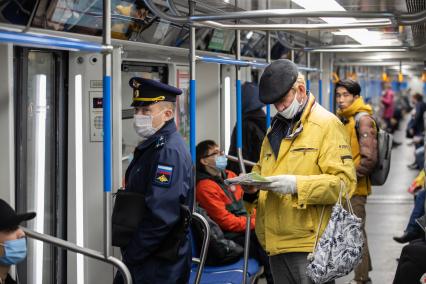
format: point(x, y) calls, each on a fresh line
point(51, 42)
point(245, 63)
point(352, 46)
point(297, 27)
point(271, 13)
point(85, 251)
point(235, 159)
point(289, 13)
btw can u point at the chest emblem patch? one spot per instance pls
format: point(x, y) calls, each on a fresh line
point(163, 175)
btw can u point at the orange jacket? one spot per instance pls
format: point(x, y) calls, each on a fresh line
point(215, 201)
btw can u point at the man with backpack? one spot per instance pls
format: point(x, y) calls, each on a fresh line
point(361, 128)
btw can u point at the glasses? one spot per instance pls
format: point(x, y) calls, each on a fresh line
point(219, 152)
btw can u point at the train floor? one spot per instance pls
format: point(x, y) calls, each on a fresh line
point(388, 211)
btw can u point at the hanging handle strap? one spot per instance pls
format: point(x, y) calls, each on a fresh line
point(339, 201)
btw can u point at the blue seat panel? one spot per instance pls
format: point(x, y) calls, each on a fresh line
point(230, 273)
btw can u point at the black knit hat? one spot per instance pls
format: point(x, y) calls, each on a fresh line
point(277, 80)
point(8, 217)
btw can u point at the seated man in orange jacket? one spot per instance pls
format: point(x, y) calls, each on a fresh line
point(224, 204)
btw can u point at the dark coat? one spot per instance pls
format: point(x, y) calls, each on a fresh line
point(254, 129)
point(162, 170)
point(417, 124)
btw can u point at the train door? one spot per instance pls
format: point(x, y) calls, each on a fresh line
point(41, 131)
point(155, 71)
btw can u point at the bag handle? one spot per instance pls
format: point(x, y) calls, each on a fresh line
point(339, 201)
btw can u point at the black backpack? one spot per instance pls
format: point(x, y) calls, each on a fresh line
point(221, 250)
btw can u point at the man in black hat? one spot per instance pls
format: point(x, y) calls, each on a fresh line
point(13, 246)
point(307, 159)
point(161, 170)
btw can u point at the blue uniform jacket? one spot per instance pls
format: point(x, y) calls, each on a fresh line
point(162, 170)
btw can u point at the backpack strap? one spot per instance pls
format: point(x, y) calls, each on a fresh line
point(358, 116)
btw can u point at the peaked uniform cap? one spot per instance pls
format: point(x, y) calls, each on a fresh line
point(277, 79)
point(148, 91)
point(9, 219)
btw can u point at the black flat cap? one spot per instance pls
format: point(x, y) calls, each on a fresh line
point(277, 80)
point(147, 91)
point(9, 219)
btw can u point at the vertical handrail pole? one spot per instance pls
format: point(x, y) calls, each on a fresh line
point(320, 81)
point(107, 113)
point(240, 144)
point(268, 60)
point(192, 85)
point(331, 102)
point(292, 55)
point(308, 80)
point(192, 125)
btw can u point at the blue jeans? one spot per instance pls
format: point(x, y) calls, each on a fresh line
point(420, 157)
point(418, 211)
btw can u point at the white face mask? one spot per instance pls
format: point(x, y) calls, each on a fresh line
point(292, 109)
point(143, 125)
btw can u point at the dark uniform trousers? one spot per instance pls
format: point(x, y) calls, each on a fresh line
point(162, 171)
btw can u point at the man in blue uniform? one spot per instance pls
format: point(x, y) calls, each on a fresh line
point(162, 170)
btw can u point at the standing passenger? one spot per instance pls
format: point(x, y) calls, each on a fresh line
point(387, 101)
point(253, 125)
point(13, 245)
point(363, 141)
point(307, 156)
point(160, 250)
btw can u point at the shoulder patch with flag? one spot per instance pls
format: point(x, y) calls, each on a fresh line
point(163, 175)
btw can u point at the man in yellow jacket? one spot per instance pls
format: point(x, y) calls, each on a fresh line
point(307, 157)
point(362, 133)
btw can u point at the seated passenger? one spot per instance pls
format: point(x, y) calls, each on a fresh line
point(413, 231)
point(412, 264)
point(224, 204)
point(13, 246)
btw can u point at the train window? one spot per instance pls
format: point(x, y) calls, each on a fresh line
point(85, 16)
point(16, 12)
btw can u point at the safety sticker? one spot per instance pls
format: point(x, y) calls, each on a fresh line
point(163, 175)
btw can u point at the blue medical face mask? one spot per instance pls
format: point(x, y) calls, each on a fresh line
point(221, 162)
point(15, 251)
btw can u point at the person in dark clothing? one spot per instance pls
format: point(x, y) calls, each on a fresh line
point(160, 249)
point(224, 204)
point(13, 245)
point(416, 124)
point(412, 264)
point(254, 127)
point(413, 231)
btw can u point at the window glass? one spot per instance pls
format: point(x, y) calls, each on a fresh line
point(16, 12)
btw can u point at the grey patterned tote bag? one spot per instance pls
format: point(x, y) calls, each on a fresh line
point(339, 249)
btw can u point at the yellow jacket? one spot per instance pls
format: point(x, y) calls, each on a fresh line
point(320, 158)
point(364, 147)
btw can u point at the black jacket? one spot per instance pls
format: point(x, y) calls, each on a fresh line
point(9, 280)
point(254, 129)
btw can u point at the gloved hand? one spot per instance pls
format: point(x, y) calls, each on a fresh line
point(283, 184)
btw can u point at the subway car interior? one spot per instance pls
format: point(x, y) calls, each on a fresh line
point(67, 124)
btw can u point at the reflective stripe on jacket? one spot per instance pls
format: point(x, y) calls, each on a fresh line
point(321, 160)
